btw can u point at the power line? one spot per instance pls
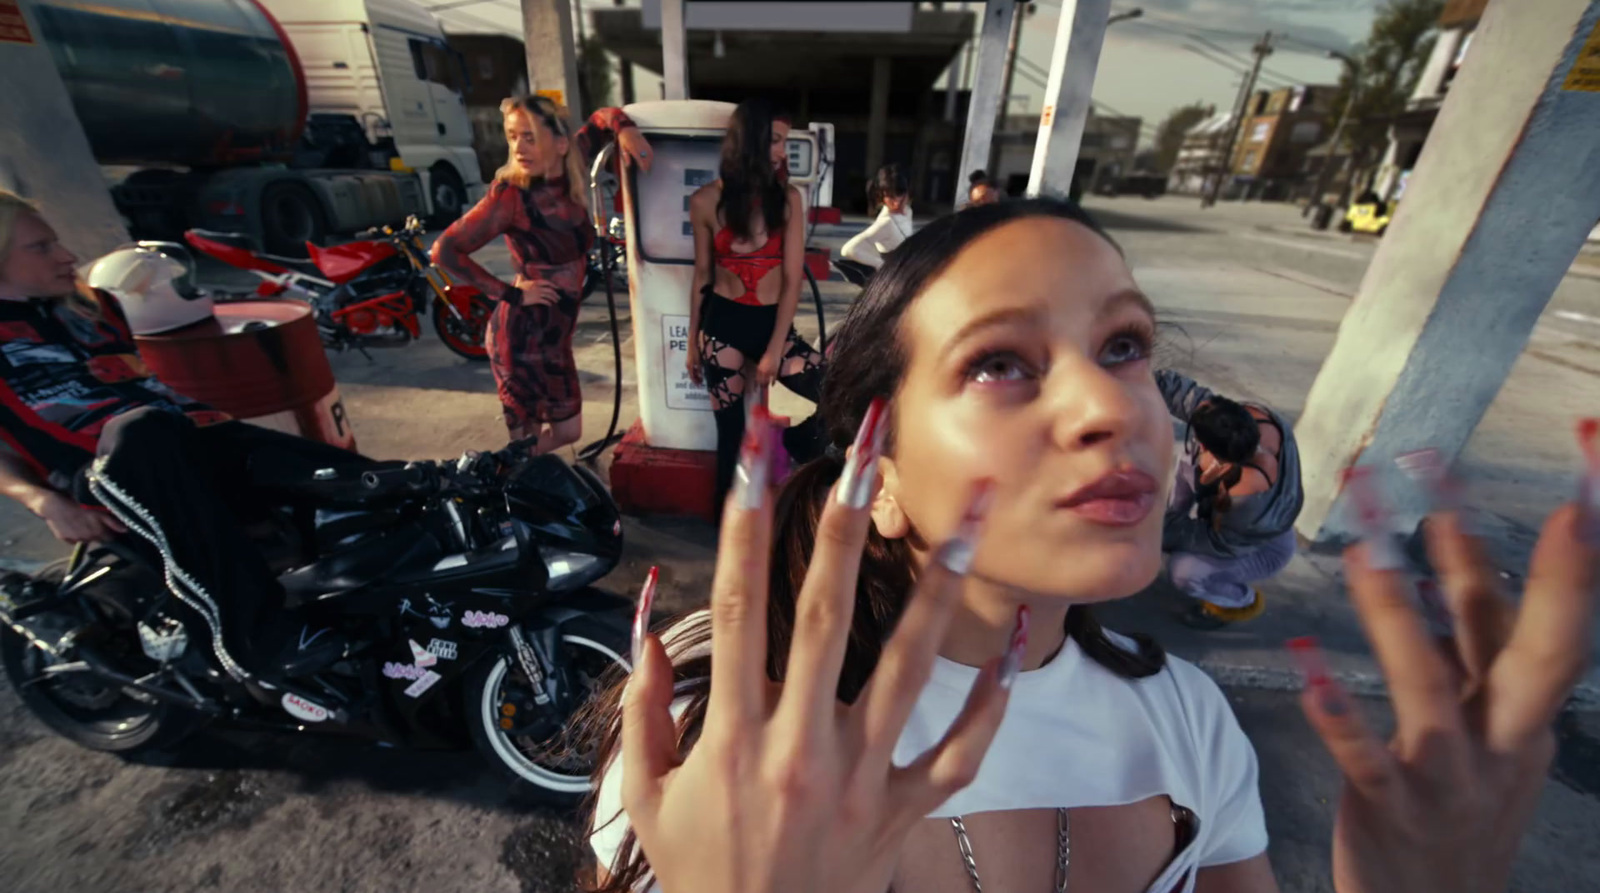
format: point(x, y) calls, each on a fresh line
point(1220, 49)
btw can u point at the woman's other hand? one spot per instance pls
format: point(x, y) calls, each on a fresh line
point(540, 292)
point(696, 373)
point(767, 370)
point(633, 146)
point(72, 523)
point(1445, 803)
point(788, 789)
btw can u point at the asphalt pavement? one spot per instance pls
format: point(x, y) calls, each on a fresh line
point(1254, 300)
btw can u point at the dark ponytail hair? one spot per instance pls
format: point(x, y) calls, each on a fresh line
point(1227, 430)
point(749, 184)
point(890, 182)
point(870, 361)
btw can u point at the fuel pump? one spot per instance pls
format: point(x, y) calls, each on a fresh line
point(667, 463)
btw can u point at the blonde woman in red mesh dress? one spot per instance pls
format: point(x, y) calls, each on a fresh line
point(537, 203)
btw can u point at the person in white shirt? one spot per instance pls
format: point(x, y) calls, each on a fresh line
point(892, 194)
point(865, 706)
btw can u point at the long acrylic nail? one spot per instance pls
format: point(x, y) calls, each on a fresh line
point(754, 473)
point(1011, 664)
point(956, 553)
point(1589, 482)
point(1307, 653)
point(1445, 492)
point(860, 475)
point(641, 614)
point(1372, 520)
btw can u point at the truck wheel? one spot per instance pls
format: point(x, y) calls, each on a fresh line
point(449, 197)
point(291, 216)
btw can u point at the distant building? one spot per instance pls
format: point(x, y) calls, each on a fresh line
point(1409, 129)
point(1106, 152)
point(1280, 127)
point(1200, 155)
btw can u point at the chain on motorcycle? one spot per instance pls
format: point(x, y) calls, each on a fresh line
point(530, 664)
point(139, 520)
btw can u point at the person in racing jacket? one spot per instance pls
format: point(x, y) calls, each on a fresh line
point(86, 428)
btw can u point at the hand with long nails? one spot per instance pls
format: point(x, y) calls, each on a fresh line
point(1443, 804)
point(788, 790)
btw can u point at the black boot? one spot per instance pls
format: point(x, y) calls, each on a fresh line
point(730, 434)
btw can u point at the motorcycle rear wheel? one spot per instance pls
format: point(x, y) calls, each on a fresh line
point(555, 768)
point(87, 711)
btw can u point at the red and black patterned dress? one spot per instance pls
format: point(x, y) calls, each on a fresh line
point(549, 234)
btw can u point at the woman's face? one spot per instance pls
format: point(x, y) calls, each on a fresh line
point(1029, 363)
point(780, 146)
point(36, 265)
point(535, 148)
point(899, 204)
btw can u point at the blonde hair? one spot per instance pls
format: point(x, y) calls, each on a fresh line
point(555, 118)
point(12, 207)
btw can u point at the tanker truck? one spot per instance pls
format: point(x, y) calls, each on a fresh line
point(288, 120)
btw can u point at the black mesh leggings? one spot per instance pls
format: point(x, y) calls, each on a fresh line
point(733, 338)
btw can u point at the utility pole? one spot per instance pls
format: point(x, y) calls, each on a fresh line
point(954, 76)
point(1005, 86)
point(1261, 50)
point(1338, 132)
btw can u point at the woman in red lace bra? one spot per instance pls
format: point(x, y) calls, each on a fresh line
point(537, 203)
point(749, 245)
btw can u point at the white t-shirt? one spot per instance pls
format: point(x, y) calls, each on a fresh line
point(1076, 734)
point(883, 236)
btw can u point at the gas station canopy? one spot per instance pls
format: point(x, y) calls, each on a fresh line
point(920, 44)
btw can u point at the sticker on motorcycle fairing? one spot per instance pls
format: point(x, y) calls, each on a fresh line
point(438, 613)
point(421, 656)
point(302, 708)
point(484, 619)
point(444, 649)
point(395, 670)
point(416, 689)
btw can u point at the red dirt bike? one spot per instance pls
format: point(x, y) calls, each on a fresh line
point(365, 293)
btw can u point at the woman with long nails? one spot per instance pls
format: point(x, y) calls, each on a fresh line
point(998, 446)
point(749, 257)
point(538, 202)
point(1231, 512)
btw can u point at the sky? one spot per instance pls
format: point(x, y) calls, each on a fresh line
point(1180, 51)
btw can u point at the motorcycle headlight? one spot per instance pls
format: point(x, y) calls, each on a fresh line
point(569, 570)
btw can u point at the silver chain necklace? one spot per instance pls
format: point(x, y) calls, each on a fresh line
point(1063, 851)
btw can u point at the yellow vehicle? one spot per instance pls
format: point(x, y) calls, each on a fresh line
point(1368, 217)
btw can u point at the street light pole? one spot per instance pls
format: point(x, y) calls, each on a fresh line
point(1338, 131)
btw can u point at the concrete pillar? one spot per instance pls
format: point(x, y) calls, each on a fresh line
point(1073, 61)
point(878, 117)
point(1496, 209)
point(44, 155)
point(674, 51)
point(984, 103)
point(552, 52)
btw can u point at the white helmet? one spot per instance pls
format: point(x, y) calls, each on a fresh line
point(154, 283)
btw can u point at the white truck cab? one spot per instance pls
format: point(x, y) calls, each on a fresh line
point(386, 63)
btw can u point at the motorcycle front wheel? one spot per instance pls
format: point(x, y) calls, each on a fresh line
point(529, 742)
point(465, 337)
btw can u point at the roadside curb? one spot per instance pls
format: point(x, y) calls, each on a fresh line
point(1585, 697)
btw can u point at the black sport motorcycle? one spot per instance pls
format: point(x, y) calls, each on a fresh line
point(461, 591)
